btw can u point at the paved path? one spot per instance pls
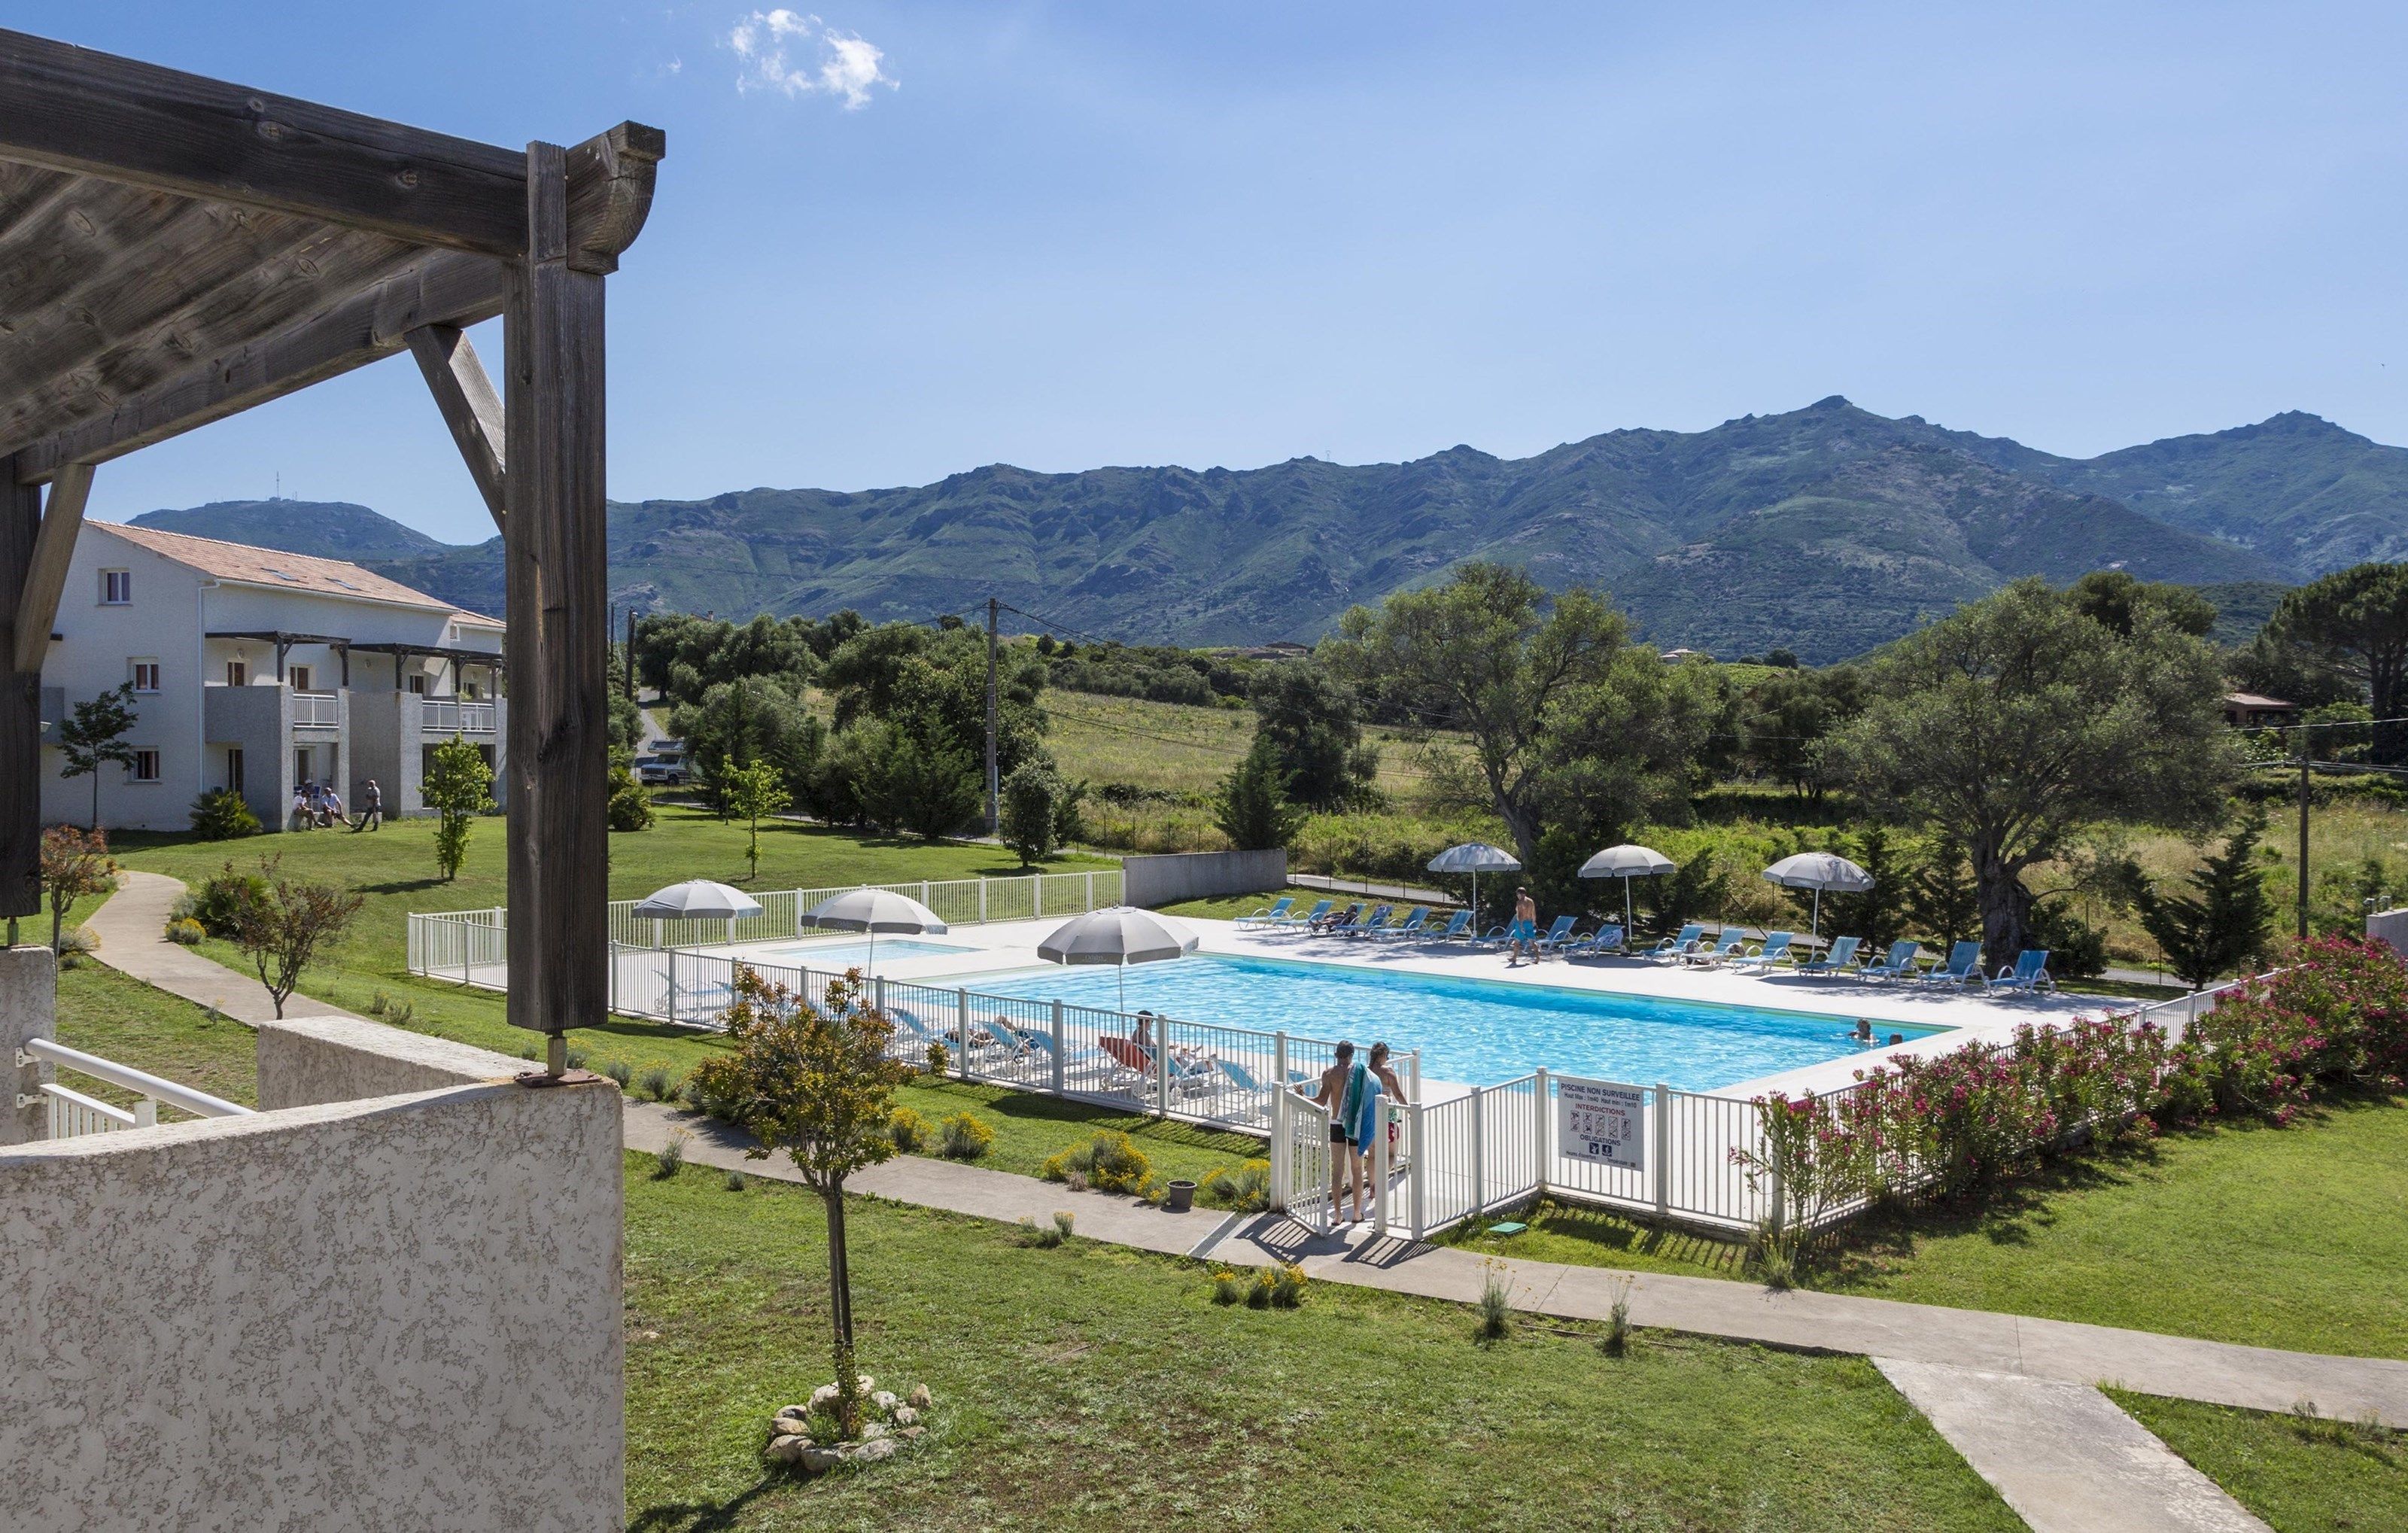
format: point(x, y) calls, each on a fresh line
point(130, 924)
point(2064, 1457)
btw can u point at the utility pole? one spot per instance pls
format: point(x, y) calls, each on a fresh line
point(2307, 743)
point(994, 783)
point(631, 655)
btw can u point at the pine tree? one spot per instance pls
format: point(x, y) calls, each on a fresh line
point(1943, 900)
point(1253, 811)
point(2212, 933)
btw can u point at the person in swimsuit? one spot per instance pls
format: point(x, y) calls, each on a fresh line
point(1345, 1160)
point(1525, 928)
point(1395, 1092)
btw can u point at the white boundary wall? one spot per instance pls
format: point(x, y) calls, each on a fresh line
point(1168, 879)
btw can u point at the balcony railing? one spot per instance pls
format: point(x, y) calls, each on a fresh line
point(73, 1114)
point(453, 717)
point(315, 710)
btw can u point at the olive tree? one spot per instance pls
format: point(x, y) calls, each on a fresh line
point(2011, 724)
point(1573, 728)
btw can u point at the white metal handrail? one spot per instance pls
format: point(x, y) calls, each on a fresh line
point(450, 713)
point(157, 1088)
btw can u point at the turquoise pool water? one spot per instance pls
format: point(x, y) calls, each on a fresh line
point(1470, 1031)
point(853, 955)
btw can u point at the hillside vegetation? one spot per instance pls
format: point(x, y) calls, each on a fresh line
point(1828, 530)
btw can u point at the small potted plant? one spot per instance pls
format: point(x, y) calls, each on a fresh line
point(1179, 1195)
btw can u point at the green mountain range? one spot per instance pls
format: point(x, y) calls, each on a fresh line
point(1827, 530)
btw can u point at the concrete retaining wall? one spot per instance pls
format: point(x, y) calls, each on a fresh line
point(28, 1010)
point(1200, 875)
point(401, 1313)
point(305, 1061)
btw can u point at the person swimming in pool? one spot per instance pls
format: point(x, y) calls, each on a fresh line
point(1864, 1033)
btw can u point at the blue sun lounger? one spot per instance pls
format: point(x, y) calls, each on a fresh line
point(1367, 924)
point(1597, 944)
point(1775, 951)
point(1842, 959)
point(1554, 938)
point(1673, 948)
point(1727, 950)
point(1899, 965)
point(2029, 973)
point(1275, 915)
point(1415, 924)
point(1964, 962)
point(1457, 929)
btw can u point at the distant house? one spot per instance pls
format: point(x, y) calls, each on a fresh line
point(2247, 711)
point(258, 670)
point(1278, 649)
point(1674, 657)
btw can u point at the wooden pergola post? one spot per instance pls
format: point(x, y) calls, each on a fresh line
point(20, 705)
point(552, 533)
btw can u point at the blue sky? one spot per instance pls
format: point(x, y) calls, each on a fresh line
point(1061, 235)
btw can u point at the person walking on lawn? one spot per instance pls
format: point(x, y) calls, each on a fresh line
point(371, 808)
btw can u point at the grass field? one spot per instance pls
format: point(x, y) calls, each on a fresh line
point(104, 1012)
point(1093, 1387)
point(2299, 1474)
point(2272, 1236)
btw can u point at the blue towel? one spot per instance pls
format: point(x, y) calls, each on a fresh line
point(1359, 1115)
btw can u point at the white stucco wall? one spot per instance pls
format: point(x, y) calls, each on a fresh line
point(399, 1314)
point(96, 644)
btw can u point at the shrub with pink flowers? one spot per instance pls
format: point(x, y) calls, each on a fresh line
point(2338, 1017)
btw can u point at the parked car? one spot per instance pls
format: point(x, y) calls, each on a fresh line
point(663, 771)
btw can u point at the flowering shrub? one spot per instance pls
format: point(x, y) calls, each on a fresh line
point(2338, 1016)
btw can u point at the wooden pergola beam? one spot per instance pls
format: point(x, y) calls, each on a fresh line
point(46, 570)
point(375, 323)
point(20, 712)
point(71, 109)
point(471, 406)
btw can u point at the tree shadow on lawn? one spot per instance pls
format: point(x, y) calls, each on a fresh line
point(699, 1516)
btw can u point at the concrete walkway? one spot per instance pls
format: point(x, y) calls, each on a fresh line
point(130, 925)
point(2015, 1395)
point(2065, 1457)
point(2259, 1378)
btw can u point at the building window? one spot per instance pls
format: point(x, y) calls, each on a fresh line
point(234, 767)
point(116, 587)
point(300, 675)
point(145, 767)
point(238, 673)
point(418, 682)
point(145, 675)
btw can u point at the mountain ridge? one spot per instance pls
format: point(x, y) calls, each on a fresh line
point(1828, 530)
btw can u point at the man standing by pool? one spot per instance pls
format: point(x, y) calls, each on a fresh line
point(1345, 1163)
point(1525, 928)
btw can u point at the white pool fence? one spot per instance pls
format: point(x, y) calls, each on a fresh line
point(1653, 1150)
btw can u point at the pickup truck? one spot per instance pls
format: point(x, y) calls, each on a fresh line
point(665, 771)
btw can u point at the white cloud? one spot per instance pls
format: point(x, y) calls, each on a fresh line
point(802, 55)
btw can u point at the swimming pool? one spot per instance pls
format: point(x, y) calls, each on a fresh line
point(1468, 1031)
point(841, 955)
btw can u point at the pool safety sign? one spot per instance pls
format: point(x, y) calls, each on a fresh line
point(1599, 1121)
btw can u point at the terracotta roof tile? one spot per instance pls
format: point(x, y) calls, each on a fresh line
point(279, 571)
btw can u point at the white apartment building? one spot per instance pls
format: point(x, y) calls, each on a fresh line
point(258, 670)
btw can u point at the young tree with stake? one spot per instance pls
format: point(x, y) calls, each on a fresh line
point(94, 736)
point(459, 785)
point(754, 790)
point(814, 1082)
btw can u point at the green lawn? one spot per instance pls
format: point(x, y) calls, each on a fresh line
point(2279, 1238)
point(104, 1012)
point(1094, 1387)
point(2301, 1475)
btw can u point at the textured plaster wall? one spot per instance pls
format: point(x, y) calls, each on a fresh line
point(393, 1314)
point(305, 1061)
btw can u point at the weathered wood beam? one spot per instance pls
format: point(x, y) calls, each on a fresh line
point(21, 708)
point(72, 109)
point(46, 570)
point(558, 636)
point(471, 408)
point(373, 322)
point(610, 179)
